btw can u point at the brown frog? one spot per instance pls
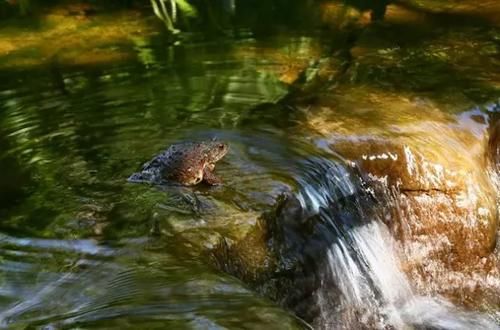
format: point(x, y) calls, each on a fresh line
point(187, 164)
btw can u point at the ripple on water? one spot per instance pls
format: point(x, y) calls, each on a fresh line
point(79, 141)
point(136, 287)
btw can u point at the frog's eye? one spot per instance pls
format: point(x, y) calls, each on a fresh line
point(221, 146)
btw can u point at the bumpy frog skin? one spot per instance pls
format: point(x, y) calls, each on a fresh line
point(187, 164)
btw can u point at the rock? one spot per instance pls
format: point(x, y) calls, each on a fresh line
point(428, 167)
point(270, 259)
point(431, 189)
point(284, 255)
point(494, 145)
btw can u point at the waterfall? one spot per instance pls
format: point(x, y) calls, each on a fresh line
point(361, 281)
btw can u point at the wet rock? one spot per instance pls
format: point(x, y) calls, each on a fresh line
point(428, 167)
point(277, 257)
point(78, 10)
point(432, 190)
point(93, 218)
point(444, 221)
point(283, 256)
point(494, 145)
point(78, 34)
point(436, 187)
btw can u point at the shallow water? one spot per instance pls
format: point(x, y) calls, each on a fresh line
point(81, 247)
point(76, 244)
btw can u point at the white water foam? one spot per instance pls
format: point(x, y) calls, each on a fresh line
point(362, 284)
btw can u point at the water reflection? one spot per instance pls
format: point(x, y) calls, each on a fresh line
point(140, 285)
point(70, 143)
point(81, 247)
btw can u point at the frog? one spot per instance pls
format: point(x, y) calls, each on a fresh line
point(185, 164)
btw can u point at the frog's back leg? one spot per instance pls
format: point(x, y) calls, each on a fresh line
point(210, 178)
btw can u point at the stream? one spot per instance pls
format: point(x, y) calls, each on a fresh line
point(361, 191)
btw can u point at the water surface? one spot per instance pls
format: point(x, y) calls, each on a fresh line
point(81, 247)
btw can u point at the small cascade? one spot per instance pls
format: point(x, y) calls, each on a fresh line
point(361, 281)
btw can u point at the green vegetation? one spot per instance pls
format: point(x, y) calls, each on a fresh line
point(168, 11)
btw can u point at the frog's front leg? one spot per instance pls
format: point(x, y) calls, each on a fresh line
point(210, 178)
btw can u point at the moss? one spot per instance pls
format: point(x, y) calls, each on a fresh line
point(76, 40)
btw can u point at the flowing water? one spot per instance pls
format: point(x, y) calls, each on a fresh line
point(362, 264)
point(80, 247)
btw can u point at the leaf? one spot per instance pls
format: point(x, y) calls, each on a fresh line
point(163, 14)
point(186, 8)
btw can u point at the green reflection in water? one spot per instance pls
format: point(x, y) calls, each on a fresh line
point(71, 135)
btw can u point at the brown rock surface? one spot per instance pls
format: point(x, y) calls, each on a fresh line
point(428, 167)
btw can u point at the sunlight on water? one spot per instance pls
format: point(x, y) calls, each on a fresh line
point(363, 283)
point(373, 127)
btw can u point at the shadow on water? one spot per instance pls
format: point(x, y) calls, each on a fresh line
point(11, 187)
